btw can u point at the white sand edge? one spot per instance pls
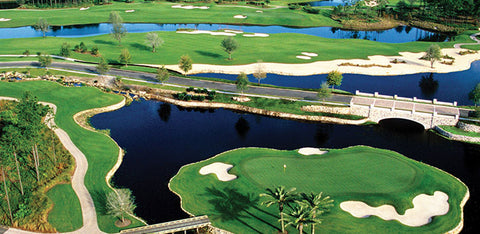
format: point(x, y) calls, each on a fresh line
point(208, 32)
point(4, 19)
point(84, 8)
point(219, 169)
point(240, 16)
point(311, 151)
point(189, 7)
point(413, 65)
point(256, 35)
point(310, 54)
point(303, 57)
point(424, 208)
point(129, 11)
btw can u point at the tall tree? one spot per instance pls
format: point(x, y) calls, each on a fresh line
point(162, 74)
point(317, 205)
point(334, 78)
point(300, 216)
point(45, 60)
point(120, 203)
point(474, 95)
point(259, 72)
point(324, 92)
point(242, 82)
point(6, 194)
point(12, 139)
point(102, 66)
point(281, 197)
point(433, 54)
point(42, 25)
point(152, 39)
point(125, 57)
point(118, 29)
point(229, 45)
point(185, 64)
point(65, 50)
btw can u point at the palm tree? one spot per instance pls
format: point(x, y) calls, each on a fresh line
point(301, 216)
point(279, 196)
point(317, 204)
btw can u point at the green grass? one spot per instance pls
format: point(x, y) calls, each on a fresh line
point(362, 173)
point(163, 13)
point(100, 150)
point(66, 215)
point(35, 72)
point(471, 47)
point(281, 48)
point(458, 131)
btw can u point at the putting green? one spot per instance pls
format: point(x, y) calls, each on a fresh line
point(361, 173)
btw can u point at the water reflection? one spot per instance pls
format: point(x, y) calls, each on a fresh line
point(164, 112)
point(242, 126)
point(428, 85)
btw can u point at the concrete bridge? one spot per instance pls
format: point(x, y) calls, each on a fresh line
point(427, 113)
point(172, 226)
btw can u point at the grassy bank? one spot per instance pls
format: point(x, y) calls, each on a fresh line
point(66, 215)
point(280, 48)
point(458, 131)
point(344, 174)
point(100, 150)
point(162, 12)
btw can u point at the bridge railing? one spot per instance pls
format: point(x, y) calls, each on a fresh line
point(414, 99)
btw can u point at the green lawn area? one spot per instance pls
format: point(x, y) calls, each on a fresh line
point(458, 131)
point(41, 71)
point(471, 47)
point(66, 215)
point(162, 12)
point(281, 48)
point(371, 175)
point(100, 150)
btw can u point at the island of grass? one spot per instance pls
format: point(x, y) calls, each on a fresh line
point(373, 176)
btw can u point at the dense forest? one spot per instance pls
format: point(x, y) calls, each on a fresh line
point(32, 160)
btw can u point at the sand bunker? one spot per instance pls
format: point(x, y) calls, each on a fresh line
point(189, 7)
point(303, 57)
point(208, 32)
point(259, 11)
point(219, 169)
point(256, 35)
point(4, 19)
point(128, 11)
point(240, 16)
point(309, 54)
point(424, 208)
point(84, 8)
point(311, 151)
point(233, 31)
point(372, 3)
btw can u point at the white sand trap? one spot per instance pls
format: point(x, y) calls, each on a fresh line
point(129, 11)
point(240, 16)
point(84, 8)
point(303, 57)
point(256, 35)
point(311, 151)
point(424, 208)
point(219, 169)
point(259, 11)
point(4, 19)
point(177, 6)
point(310, 54)
point(233, 31)
point(208, 32)
point(189, 7)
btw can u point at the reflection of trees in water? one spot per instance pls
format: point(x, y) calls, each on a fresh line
point(201, 110)
point(322, 134)
point(428, 85)
point(242, 126)
point(164, 112)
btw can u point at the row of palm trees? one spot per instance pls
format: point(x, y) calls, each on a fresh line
point(303, 209)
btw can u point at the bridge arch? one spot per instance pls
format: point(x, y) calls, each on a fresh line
point(413, 123)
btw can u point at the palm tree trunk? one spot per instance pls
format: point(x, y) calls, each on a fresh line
point(18, 171)
point(6, 194)
point(283, 224)
point(36, 164)
point(300, 228)
point(53, 149)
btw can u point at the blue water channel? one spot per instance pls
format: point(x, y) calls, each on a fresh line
point(399, 34)
point(328, 3)
point(449, 87)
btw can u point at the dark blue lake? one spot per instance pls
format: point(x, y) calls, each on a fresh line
point(450, 87)
point(328, 3)
point(159, 138)
point(396, 35)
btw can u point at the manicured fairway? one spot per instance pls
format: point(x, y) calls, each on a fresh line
point(361, 173)
point(280, 48)
point(66, 214)
point(100, 150)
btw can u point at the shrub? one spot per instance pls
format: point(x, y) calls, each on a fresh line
point(309, 9)
point(293, 6)
point(201, 98)
point(475, 113)
point(190, 89)
point(94, 51)
point(26, 53)
point(83, 47)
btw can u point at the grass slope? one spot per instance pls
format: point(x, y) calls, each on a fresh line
point(162, 12)
point(362, 173)
point(281, 48)
point(66, 214)
point(100, 150)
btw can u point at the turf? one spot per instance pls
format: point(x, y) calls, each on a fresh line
point(162, 12)
point(362, 173)
point(458, 131)
point(281, 48)
point(100, 150)
point(66, 214)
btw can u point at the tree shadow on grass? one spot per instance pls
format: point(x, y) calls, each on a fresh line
point(230, 205)
point(103, 42)
point(101, 197)
point(141, 47)
point(208, 54)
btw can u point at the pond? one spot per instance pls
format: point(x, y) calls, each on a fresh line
point(159, 138)
point(399, 34)
point(329, 3)
point(449, 87)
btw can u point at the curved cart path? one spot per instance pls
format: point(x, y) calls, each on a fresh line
point(89, 215)
point(473, 37)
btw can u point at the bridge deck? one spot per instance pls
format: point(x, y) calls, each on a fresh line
point(173, 226)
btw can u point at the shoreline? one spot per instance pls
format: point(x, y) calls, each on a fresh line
point(413, 65)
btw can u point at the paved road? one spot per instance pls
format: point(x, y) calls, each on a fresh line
point(473, 37)
point(172, 226)
point(307, 95)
